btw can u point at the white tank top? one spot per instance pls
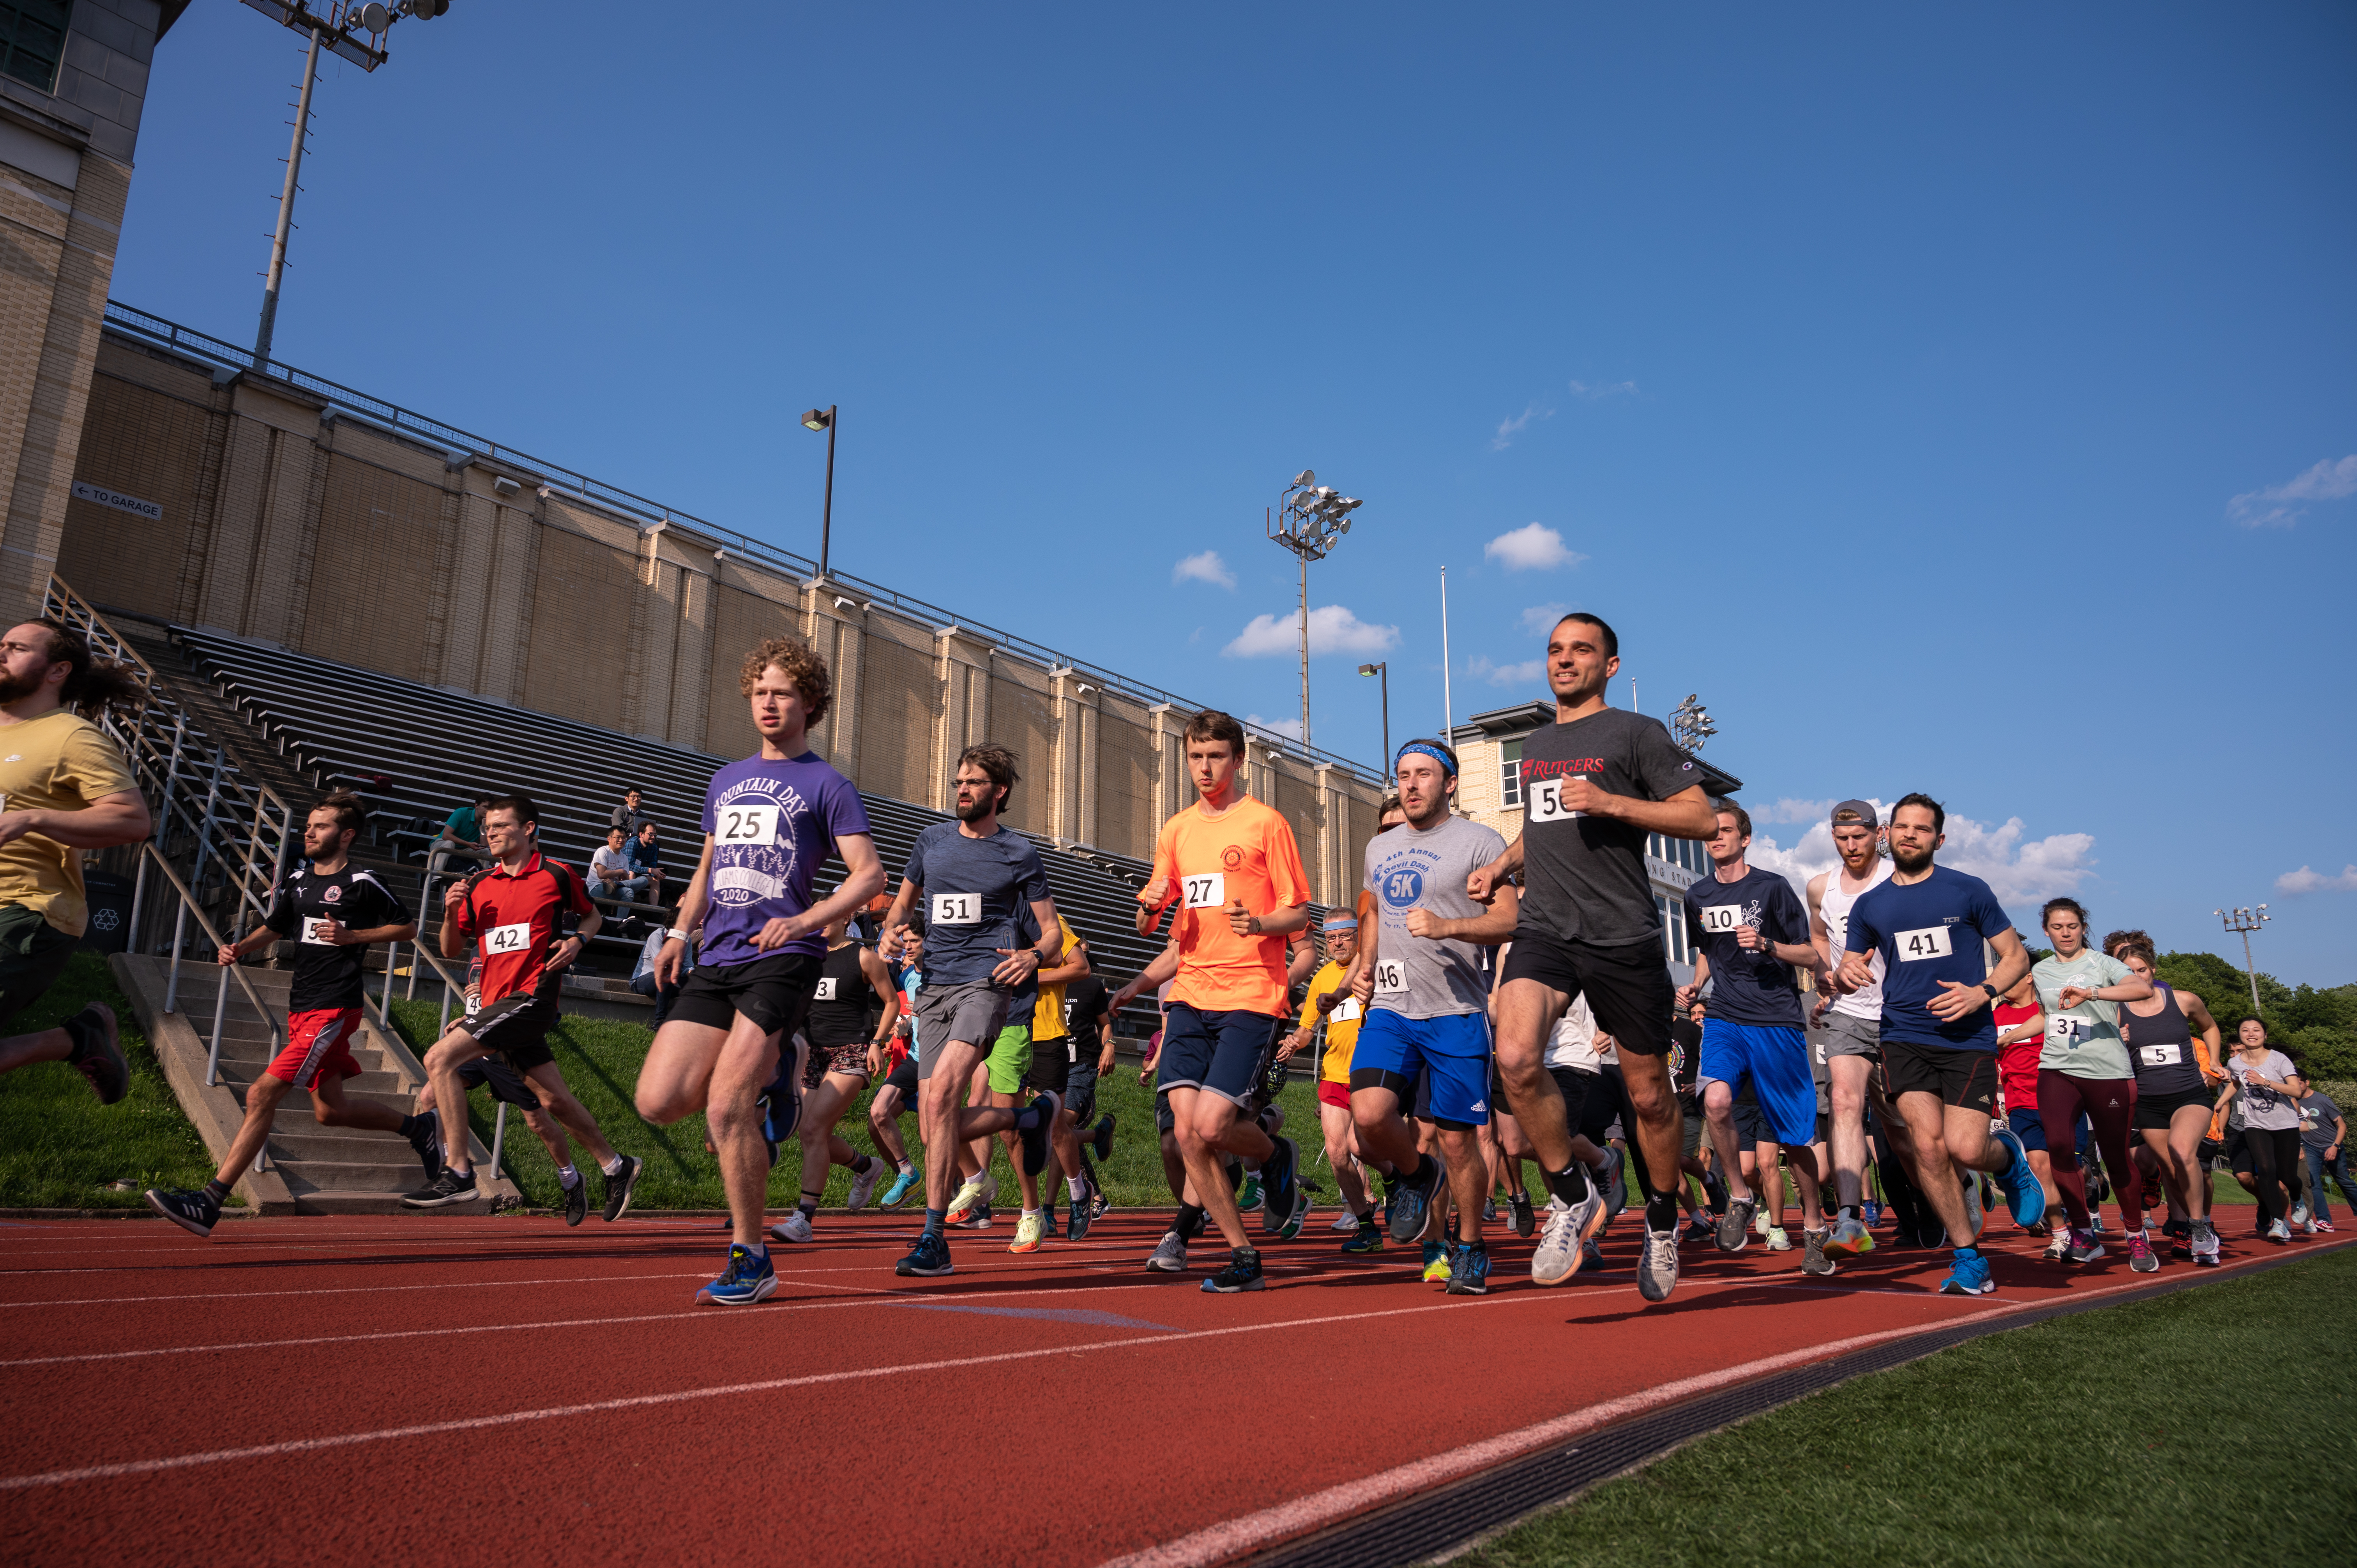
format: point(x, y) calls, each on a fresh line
point(1574, 1044)
point(1835, 906)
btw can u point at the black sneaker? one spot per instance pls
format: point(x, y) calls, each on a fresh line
point(426, 1137)
point(191, 1212)
point(97, 1053)
point(1099, 1205)
point(620, 1185)
point(1241, 1273)
point(1102, 1138)
point(1077, 1217)
point(1524, 1219)
point(1035, 1142)
point(577, 1201)
point(1282, 1197)
point(450, 1186)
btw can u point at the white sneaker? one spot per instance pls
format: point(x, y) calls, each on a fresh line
point(1657, 1265)
point(794, 1227)
point(1777, 1241)
point(1346, 1221)
point(863, 1186)
point(2279, 1232)
point(1557, 1256)
point(1761, 1224)
point(2299, 1214)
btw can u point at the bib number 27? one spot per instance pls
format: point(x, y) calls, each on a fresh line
point(1208, 892)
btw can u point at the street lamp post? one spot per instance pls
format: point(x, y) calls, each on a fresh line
point(1383, 668)
point(823, 419)
point(2247, 920)
point(1310, 520)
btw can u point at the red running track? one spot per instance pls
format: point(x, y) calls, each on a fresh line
point(462, 1390)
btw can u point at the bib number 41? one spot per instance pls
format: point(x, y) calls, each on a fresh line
point(1915, 946)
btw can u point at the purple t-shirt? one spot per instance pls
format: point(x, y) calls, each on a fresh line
point(771, 824)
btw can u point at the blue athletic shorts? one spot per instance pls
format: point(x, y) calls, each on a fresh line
point(1776, 1061)
point(1225, 1053)
point(1453, 1051)
point(2028, 1127)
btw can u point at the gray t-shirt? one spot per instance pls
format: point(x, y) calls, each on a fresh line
point(2265, 1110)
point(977, 892)
point(1584, 877)
point(2318, 1117)
point(1416, 977)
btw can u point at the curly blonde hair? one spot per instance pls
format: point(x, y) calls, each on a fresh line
point(805, 668)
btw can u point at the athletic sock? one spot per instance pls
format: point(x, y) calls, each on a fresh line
point(908, 1167)
point(216, 1192)
point(1848, 1211)
point(934, 1219)
point(1570, 1185)
point(616, 1169)
point(1189, 1222)
point(568, 1177)
point(1078, 1187)
point(759, 1250)
point(1662, 1212)
point(859, 1164)
point(808, 1207)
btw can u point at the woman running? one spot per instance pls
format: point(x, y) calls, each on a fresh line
point(2020, 1036)
point(2270, 1089)
point(2179, 1083)
point(2083, 1066)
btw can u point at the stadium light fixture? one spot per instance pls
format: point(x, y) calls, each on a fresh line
point(1305, 522)
point(823, 419)
point(2247, 920)
point(1382, 667)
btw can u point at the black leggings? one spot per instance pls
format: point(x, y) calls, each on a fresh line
point(2275, 1168)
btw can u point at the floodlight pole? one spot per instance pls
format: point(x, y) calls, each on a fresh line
point(1309, 522)
point(826, 508)
point(286, 208)
point(2247, 920)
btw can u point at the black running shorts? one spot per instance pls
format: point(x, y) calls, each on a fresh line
point(517, 1028)
point(1627, 987)
point(507, 1085)
point(2154, 1111)
point(771, 994)
point(1966, 1079)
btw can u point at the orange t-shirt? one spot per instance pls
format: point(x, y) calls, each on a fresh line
point(1246, 853)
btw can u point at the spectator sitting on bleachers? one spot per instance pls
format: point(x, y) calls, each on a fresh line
point(645, 854)
point(463, 831)
point(609, 871)
point(627, 815)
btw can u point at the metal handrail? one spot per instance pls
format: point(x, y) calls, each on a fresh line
point(188, 906)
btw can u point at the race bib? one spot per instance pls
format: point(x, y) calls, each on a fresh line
point(1346, 1012)
point(2161, 1056)
point(825, 992)
point(957, 909)
point(1391, 974)
point(1721, 918)
point(312, 933)
point(746, 823)
point(2073, 1030)
point(1207, 891)
point(507, 939)
point(1546, 802)
point(1931, 941)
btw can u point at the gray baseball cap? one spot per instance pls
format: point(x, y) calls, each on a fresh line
point(1854, 813)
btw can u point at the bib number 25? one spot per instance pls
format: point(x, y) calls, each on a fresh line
point(746, 823)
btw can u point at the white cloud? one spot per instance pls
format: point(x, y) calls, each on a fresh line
point(1540, 619)
point(1790, 811)
point(2018, 871)
point(1533, 547)
point(1594, 391)
point(1530, 672)
point(2307, 881)
point(1509, 428)
point(1332, 629)
point(1289, 729)
point(1206, 568)
point(2327, 481)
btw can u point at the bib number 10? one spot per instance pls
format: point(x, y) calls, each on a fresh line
point(1546, 802)
point(1721, 918)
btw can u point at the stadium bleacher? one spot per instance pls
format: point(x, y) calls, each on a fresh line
point(416, 752)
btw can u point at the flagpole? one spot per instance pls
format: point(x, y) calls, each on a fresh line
point(1448, 708)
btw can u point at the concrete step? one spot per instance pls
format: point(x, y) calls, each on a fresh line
point(343, 1176)
point(321, 1200)
point(307, 1141)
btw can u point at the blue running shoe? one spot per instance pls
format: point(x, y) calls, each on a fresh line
point(928, 1259)
point(902, 1186)
point(1411, 1209)
point(1468, 1271)
point(1281, 1202)
point(1364, 1240)
point(747, 1278)
point(1969, 1275)
point(2023, 1194)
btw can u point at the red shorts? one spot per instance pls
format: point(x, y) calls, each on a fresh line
point(318, 1043)
point(1332, 1094)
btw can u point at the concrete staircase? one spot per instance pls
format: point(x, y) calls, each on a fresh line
point(308, 1169)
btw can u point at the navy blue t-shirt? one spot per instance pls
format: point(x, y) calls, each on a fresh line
point(973, 889)
point(1929, 931)
point(1749, 987)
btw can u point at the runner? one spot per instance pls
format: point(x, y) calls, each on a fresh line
point(1851, 1019)
point(1753, 930)
point(2178, 1084)
point(1330, 1007)
point(898, 1091)
point(1584, 1064)
point(2269, 1088)
point(1086, 1049)
point(1422, 973)
point(2324, 1132)
point(768, 822)
point(2083, 1067)
point(534, 918)
point(63, 790)
point(1938, 1035)
point(334, 912)
point(976, 878)
point(1230, 864)
point(1595, 782)
point(846, 1042)
point(1051, 1071)
point(2020, 1037)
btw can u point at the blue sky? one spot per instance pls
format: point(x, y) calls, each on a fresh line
point(1956, 401)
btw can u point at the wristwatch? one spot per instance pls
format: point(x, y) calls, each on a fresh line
point(1992, 992)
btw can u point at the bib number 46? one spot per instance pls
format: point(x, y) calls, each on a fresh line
point(1391, 974)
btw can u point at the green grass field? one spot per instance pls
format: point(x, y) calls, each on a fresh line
point(60, 1148)
point(2208, 1425)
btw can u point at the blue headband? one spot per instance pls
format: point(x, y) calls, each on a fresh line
point(1433, 752)
point(1341, 922)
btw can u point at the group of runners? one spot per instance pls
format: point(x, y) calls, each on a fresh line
point(1885, 1041)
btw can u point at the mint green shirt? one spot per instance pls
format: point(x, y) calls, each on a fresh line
point(2083, 1041)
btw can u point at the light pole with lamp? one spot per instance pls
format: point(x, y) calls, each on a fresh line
point(823, 419)
point(2247, 920)
point(1383, 668)
point(1690, 724)
point(1310, 520)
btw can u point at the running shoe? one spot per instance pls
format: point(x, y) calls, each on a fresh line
point(1099, 1206)
point(976, 1218)
point(967, 1196)
point(620, 1184)
point(2299, 1214)
point(794, 1227)
point(2057, 1244)
point(1714, 1193)
point(1592, 1257)
point(1760, 1226)
point(1490, 1212)
point(2278, 1232)
point(2177, 1230)
point(1169, 1255)
point(1975, 1217)
point(1616, 1183)
point(1871, 1213)
point(1048, 1106)
point(1412, 1207)
point(1077, 1219)
point(2205, 1245)
point(1030, 1231)
point(928, 1259)
point(2082, 1247)
point(1346, 1220)
point(576, 1200)
point(1241, 1273)
point(1812, 1253)
point(863, 1183)
point(1522, 1219)
point(1657, 1265)
point(2023, 1194)
point(1469, 1271)
point(426, 1138)
point(449, 1187)
point(1101, 1139)
point(748, 1278)
point(1436, 1263)
point(1851, 1237)
point(1286, 1205)
point(191, 1212)
point(2141, 1257)
point(1558, 1256)
point(1292, 1226)
point(1735, 1225)
point(1701, 1227)
point(1779, 1239)
point(1249, 1195)
point(2095, 1219)
point(1366, 1238)
point(2322, 1227)
point(97, 1052)
point(1969, 1275)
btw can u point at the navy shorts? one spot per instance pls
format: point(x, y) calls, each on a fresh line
point(1224, 1053)
point(1776, 1061)
point(2028, 1127)
point(1454, 1051)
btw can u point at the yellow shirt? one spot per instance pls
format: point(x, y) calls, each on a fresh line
point(1341, 1025)
point(55, 763)
point(1048, 1017)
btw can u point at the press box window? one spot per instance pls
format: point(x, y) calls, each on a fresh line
point(32, 40)
point(1510, 772)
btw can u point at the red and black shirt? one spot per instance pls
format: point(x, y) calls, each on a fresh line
point(327, 976)
point(518, 918)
